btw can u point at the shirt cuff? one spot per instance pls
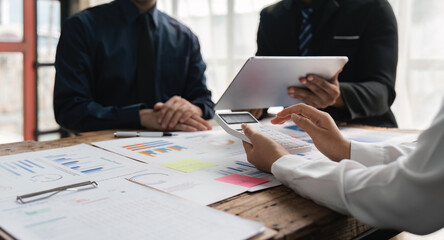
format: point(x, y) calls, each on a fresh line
point(129, 116)
point(207, 111)
point(283, 167)
point(346, 88)
point(367, 154)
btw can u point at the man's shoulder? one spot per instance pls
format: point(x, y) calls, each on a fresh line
point(174, 24)
point(95, 14)
point(363, 3)
point(277, 9)
point(377, 8)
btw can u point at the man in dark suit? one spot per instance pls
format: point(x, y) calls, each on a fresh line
point(363, 30)
point(125, 64)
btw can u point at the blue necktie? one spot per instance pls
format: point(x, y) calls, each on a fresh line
point(305, 34)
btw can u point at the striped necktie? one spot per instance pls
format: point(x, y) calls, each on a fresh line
point(305, 34)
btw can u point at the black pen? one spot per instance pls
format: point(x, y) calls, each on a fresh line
point(142, 134)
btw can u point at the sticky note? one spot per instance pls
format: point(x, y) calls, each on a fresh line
point(189, 165)
point(242, 180)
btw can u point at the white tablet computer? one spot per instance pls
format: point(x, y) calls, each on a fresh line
point(263, 81)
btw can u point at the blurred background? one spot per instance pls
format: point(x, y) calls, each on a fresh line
point(29, 32)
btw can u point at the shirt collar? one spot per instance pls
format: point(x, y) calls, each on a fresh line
point(154, 15)
point(131, 12)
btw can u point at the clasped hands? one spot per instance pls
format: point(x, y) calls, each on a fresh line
point(177, 114)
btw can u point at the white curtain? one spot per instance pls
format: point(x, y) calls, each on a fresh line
point(420, 80)
point(227, 33)
point(226, 30)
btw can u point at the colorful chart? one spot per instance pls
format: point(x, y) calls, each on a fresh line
point(147, 145)
point(155, 151)
point(240, 167)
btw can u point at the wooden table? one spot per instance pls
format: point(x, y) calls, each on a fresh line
point(279, 208)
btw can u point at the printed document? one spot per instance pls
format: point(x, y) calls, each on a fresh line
point(119, 209)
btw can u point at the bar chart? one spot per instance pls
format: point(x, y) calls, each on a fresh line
point(147, 145)
point(242, 168)
point(153, 148)
point(84, 164)
point(21, 167)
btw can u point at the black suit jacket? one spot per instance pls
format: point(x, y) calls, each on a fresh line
point(363, 30)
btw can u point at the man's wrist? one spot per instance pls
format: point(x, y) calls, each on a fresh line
point(144, 115)
point(339, 102)
point(198, 110)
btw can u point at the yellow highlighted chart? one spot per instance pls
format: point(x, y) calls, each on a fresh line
point(189, 165)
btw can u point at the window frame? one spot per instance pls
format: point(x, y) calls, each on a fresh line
point(28, 48)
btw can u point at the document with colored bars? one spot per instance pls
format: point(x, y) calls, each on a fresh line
point(119, 209)
point(42, 170)
point(204, 167)
point(193, 165)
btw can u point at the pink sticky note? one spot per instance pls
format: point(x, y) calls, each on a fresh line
point(242, 180)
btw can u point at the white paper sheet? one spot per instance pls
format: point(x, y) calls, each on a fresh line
point(37, 171)
point(194, 189)
point(118, 209)
point(225, 153)
point(377, 136)
point(351, 133)
point(215, 147)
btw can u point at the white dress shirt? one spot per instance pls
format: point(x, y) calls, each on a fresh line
point(386, 186)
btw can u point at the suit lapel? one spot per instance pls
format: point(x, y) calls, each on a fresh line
point(331, 6)
point(289, 25)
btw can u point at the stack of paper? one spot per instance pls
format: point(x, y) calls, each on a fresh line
point(203, 167)
point(37, 171)
point(118, 209)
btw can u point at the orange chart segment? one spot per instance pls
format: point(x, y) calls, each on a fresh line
point(147, 145)
point(163, 148)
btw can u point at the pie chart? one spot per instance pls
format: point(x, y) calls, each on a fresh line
point(151, 179)
point(46, 178)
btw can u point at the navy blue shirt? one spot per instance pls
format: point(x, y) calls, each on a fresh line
point(96, 64)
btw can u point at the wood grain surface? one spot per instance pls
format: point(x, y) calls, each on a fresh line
point(280, 209)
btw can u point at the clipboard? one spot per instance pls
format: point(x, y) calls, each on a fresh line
point(37, 196)
point(32, 197)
